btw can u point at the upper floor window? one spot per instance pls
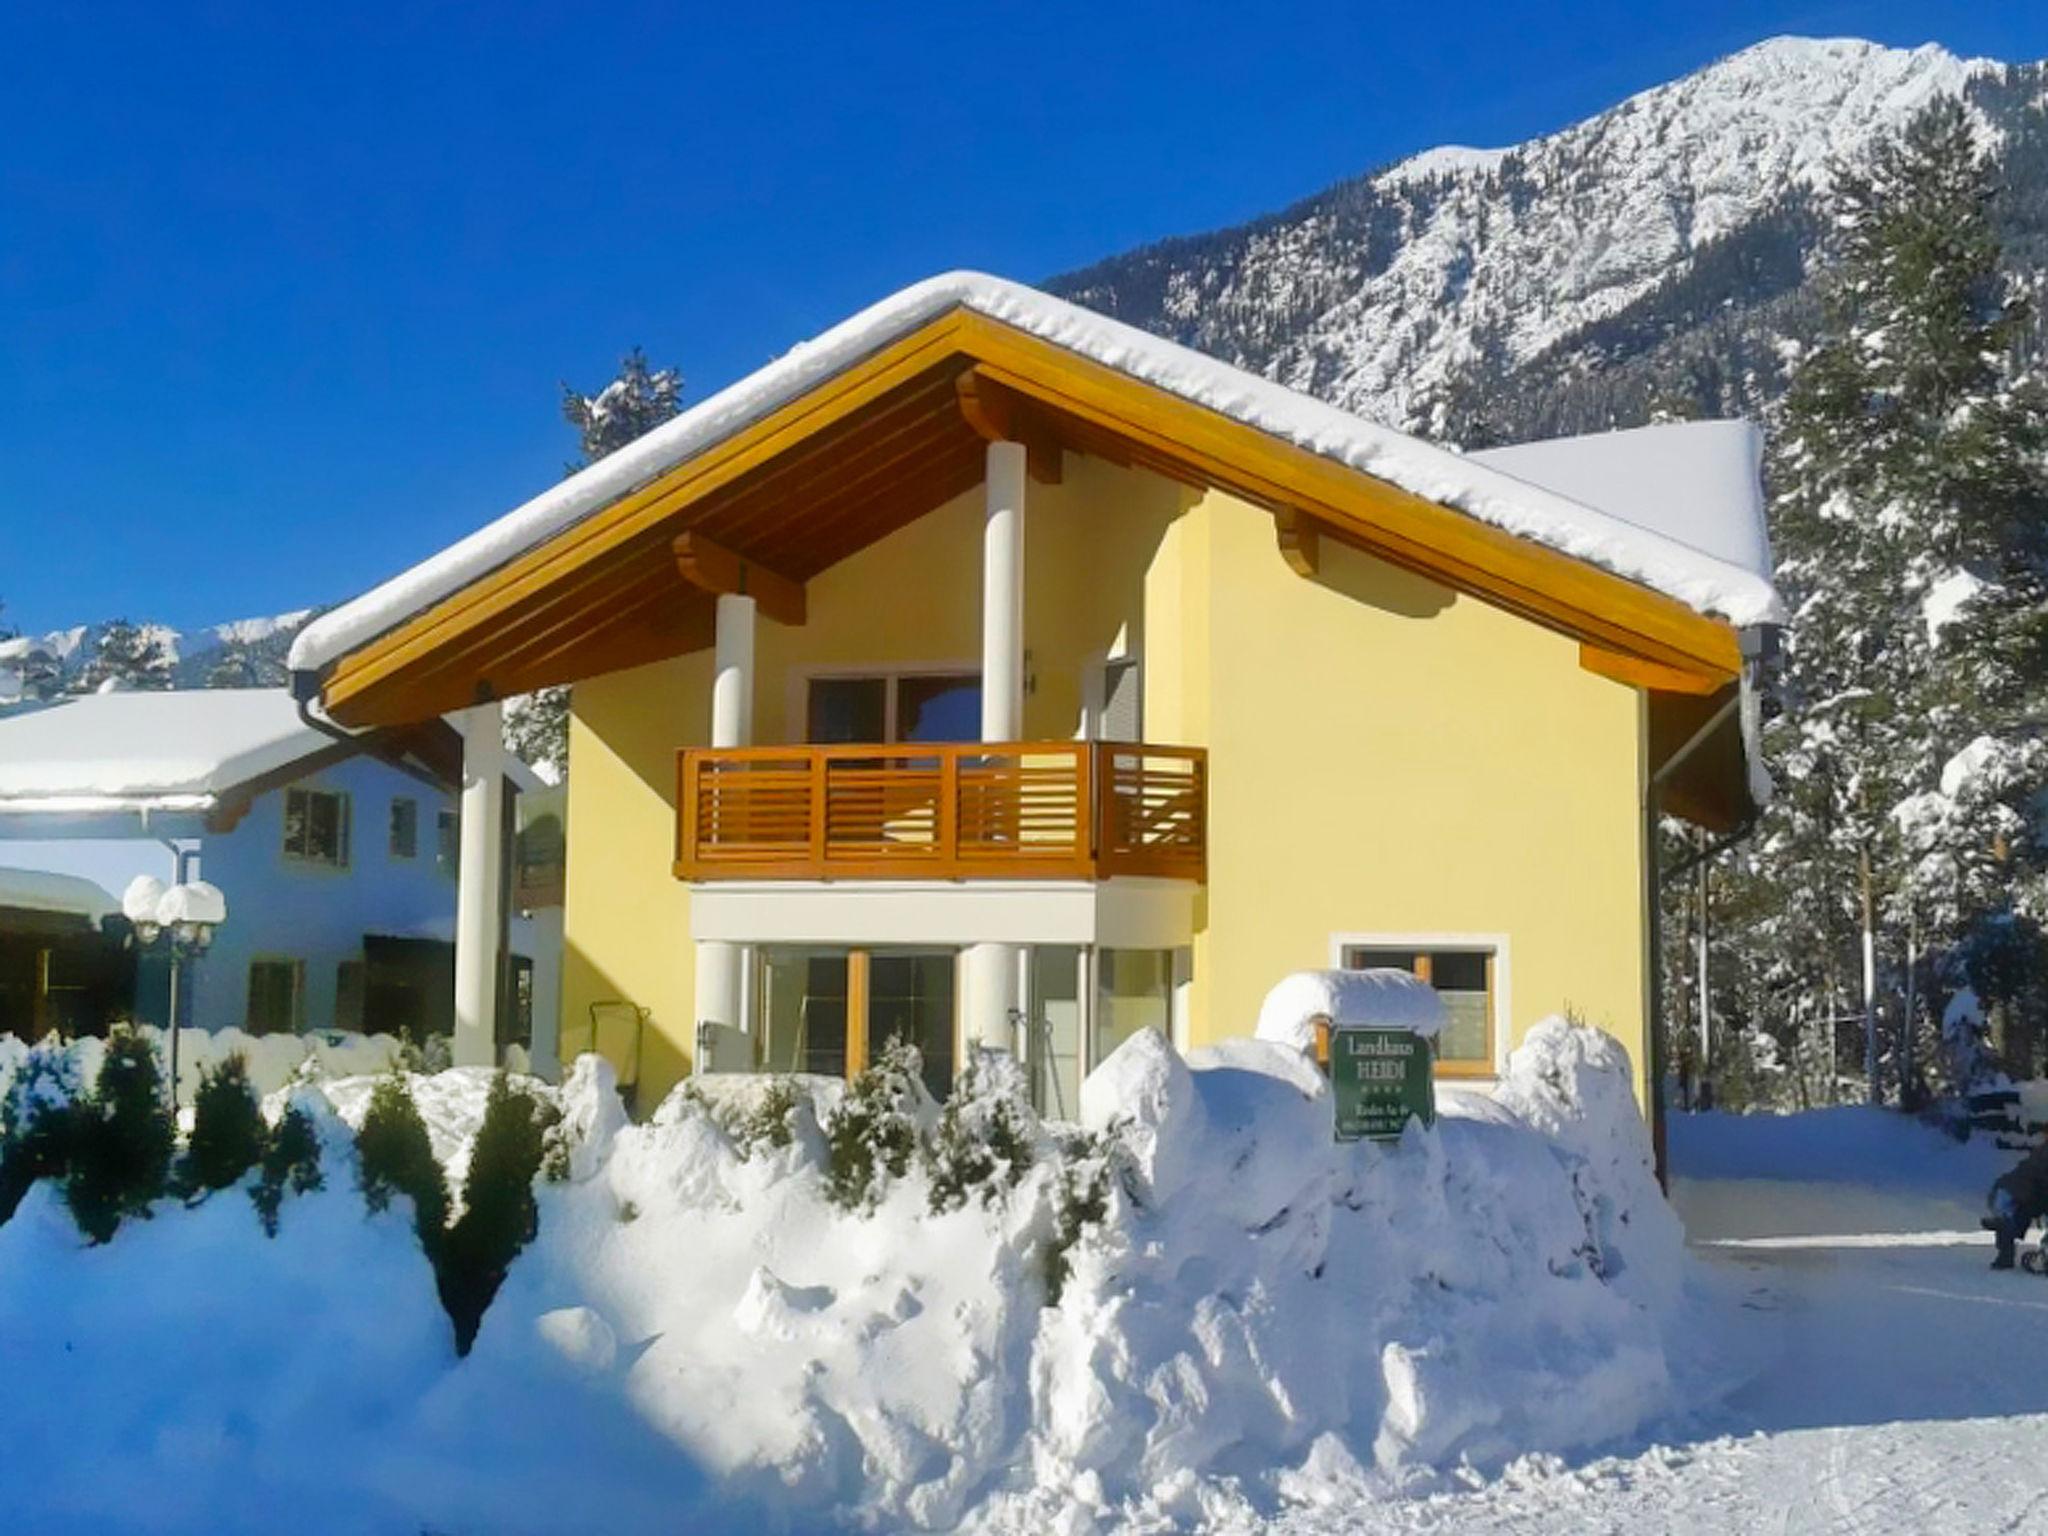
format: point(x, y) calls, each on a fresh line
point(316, 826)
point(895, 706)
point(1463, 982)
point(405, 827)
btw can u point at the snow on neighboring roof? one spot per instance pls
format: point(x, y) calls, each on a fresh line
point(168, 751)
point(37, 890)
point(1698, 483)
point(1636, 546)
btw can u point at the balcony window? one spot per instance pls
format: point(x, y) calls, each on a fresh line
point(893, 707)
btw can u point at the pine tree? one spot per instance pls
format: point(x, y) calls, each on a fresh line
point(238, 664)
point(1911, 509)
point(126, 657)
point(633, 404)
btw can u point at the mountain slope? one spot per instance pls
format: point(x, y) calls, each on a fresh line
point(1661, 248)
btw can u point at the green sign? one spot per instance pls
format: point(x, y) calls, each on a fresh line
point(1380, 1077)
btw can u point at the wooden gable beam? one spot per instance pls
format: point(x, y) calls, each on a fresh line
point(1000, 415)
point(1301, 540)
point(1656, 676)
point(710, 565)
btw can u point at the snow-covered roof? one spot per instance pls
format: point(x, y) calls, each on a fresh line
point(37, 890)
point(1635, 544)
point(164, 751)
point(1696, 483)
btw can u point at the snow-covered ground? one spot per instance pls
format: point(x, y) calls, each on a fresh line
point(1895, 1384)
point(1488, 1328)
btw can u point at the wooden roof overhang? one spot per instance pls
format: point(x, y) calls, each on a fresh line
point(888, 439)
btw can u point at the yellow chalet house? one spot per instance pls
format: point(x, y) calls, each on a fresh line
point(985, 670)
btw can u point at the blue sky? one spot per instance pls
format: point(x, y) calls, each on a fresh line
point(286, 292)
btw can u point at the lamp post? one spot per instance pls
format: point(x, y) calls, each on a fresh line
point(177, 921)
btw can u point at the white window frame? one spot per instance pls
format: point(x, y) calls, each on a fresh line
point(796, 720)
point(1495, 944)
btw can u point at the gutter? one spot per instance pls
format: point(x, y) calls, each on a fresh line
point(1758, 643)
point(305, 687)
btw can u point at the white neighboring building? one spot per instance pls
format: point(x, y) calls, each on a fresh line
point(338, 856)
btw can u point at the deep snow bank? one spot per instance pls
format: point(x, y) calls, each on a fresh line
point(1261, 1305)
point(1260, 1316)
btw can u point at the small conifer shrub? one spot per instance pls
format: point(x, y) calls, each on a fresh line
point(291, 1160)
point(395, 1156)
point(36, 1122)
point(121, 1140)
point(873, 1133)
point(982, 1144)
point(228, 1133)
point(499, 1216)
point(770, 1121)
point(1080, 1202)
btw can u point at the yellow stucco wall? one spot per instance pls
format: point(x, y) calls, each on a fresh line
point(1386, 757)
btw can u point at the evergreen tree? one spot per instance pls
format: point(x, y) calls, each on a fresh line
point(239, 664)
point(121, 1140)
point(633, 404)
point(127, 657)
point(1911, 510)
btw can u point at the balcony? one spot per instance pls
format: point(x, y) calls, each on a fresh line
point(1078, 810)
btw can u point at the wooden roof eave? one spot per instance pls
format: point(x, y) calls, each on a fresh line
point(418, 668)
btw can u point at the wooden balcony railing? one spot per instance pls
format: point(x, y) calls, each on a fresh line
point(973, 811)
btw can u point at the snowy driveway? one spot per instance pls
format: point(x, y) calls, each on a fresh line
point(1899, 1386)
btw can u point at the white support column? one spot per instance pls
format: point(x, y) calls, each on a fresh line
point(1002, 595)
point(991, 998)
point(480, 887)
point(720, 966)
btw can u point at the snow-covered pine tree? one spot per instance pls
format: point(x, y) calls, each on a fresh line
point(239, 664)
point(633, 404)
point(638, 400)
point(128, 657)
point(1911, 511)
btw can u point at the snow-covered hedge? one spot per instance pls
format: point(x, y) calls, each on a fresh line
point(1258, 1315)
point(272, 1060)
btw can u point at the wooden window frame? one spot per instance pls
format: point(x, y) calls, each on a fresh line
point(1498, 975)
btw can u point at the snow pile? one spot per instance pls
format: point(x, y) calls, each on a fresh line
point(1252, 1316)
point(1260, 1305)
point(1381, 999)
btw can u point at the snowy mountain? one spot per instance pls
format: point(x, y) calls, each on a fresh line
point(1658, 253)
point(193, 656)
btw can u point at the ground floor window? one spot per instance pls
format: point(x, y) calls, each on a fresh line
point(1463, 978)
point(825, 1010)
point(277, 993)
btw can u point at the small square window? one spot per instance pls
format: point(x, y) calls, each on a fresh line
point(1463, 981)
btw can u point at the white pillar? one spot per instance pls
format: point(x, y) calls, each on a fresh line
point(721, 966)
point(991, 997)
point(479, 892)
point(1002, 595)
point(732, 683)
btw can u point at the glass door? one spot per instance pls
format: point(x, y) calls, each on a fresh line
point(910, 997)
point(804, 1010)
point(1055, 1025)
